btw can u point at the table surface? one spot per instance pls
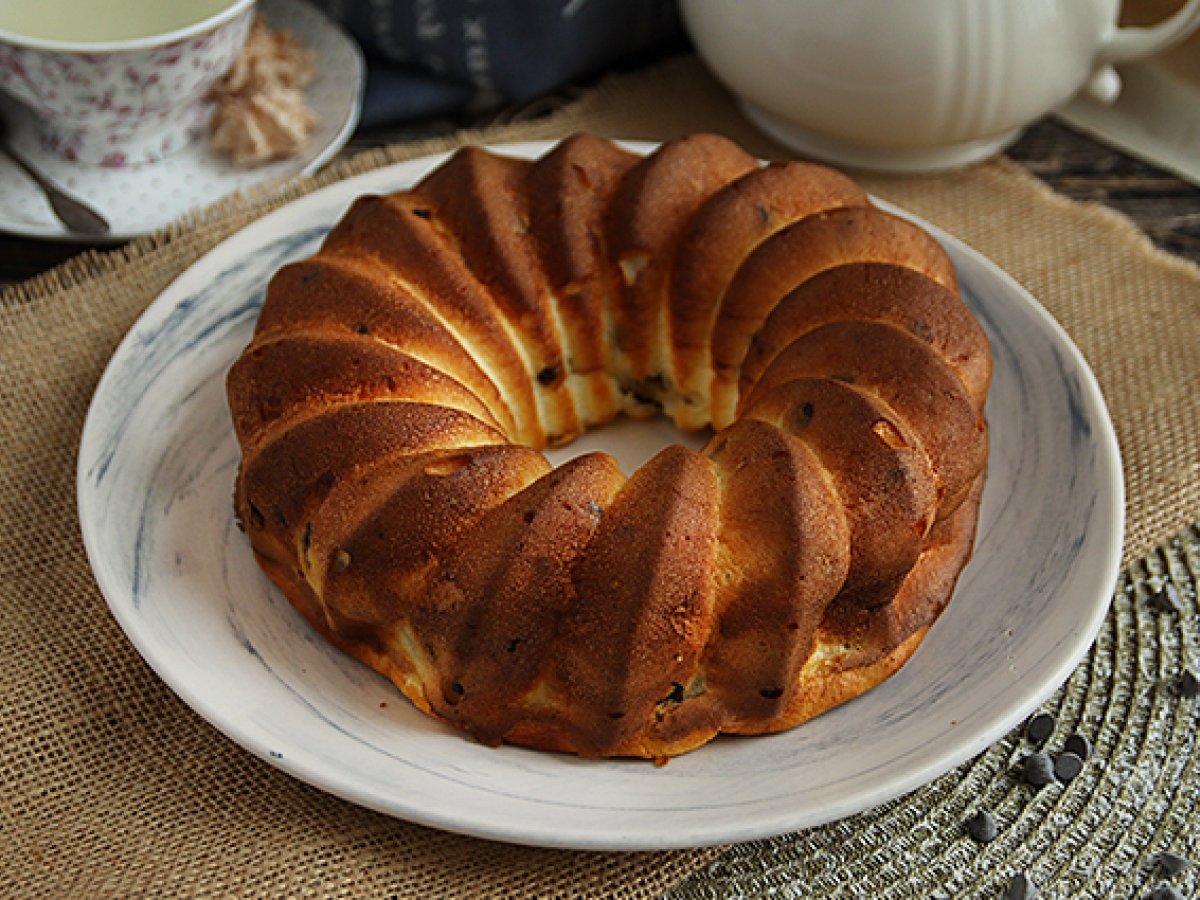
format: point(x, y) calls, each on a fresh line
point(1165, 207)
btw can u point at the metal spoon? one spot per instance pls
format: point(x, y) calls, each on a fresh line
point(71, 211)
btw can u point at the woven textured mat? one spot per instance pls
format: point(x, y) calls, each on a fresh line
point(112, 787)
point(1098, 836)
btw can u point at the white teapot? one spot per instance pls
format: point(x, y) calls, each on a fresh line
point(915, 85)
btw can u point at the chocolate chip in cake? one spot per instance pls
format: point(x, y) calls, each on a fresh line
point(802, 417)
point(1039, 728)
point(1079, 745)
point(676, 695)
point(981, 827)
point(1020, 887)
point(256, 517)
point(1186, 685)
point(1165, 599)
point(1037, 770)
point(306, 544)
point(1171, 864)
point(422, 213)
point(1067, 766)
point(771, 693)
point(547, 376)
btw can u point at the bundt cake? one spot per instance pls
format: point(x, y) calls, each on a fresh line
point(401, 382)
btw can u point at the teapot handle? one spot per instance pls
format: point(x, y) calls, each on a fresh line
point(1128, 44)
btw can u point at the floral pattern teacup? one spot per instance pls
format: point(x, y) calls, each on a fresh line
point(125, 103)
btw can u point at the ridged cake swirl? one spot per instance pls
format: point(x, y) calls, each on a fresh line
point(401, 382)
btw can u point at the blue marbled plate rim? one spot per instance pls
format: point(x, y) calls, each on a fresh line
point(329, 722)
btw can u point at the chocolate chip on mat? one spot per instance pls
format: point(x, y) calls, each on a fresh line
point(1037, 769)
point(1186, 685)
point(1020, 887)
point(1067, 766)
point(1039, 728)
point(1165, 892)
point(1165, 599)
point(1079, 745)
point(982, 827)
point(1171, 864)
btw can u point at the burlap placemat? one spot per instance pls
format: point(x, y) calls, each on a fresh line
point(110, 786)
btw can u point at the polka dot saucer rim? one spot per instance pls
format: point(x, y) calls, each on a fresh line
point(141, 199)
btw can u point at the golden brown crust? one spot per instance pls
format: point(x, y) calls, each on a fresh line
point(399, 383)
point(374, 542)
point(292, 470)
point(793, 256)
point(881, 472)
point(568, 191)
point(338, 368)
point(644, 599)
point(506, 590)
point(910, 377)
point(349, 293)
point(876, 292)
point(401, 234)
point(785, 543)
point(719, 237)
point(645, 222)
point(480, 208)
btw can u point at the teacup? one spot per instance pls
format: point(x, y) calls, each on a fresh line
point(915, 85)
point(121, 82)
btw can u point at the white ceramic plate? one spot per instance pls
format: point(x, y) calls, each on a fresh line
point(139, 199)
point(155, 481)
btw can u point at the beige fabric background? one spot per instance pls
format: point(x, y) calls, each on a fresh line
point(110, 786)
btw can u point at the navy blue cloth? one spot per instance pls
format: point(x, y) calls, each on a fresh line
point(395, 95)
point(429, 58)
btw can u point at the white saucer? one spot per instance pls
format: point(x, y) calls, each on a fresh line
point(143, 198)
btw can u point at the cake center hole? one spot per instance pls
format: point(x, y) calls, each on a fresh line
point(632, 443)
